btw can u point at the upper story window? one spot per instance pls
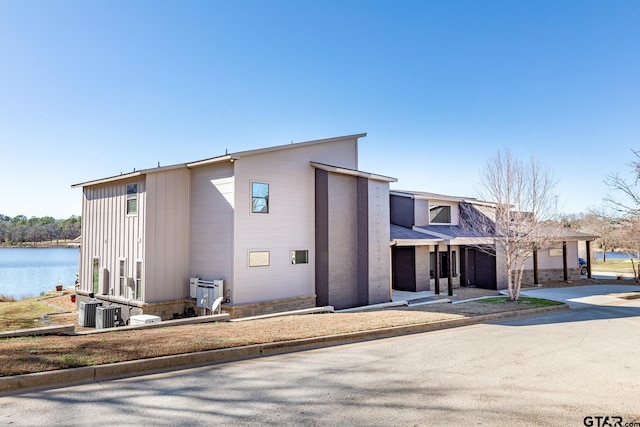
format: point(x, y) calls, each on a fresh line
point(132, 199)
point(440, 214)
point(259, 197)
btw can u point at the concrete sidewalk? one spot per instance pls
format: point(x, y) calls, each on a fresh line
point(582, 296)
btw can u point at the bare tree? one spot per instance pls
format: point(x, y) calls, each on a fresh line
point(629, 204)
point(524, 203)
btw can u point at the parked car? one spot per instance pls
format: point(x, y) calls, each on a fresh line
point(583, 266)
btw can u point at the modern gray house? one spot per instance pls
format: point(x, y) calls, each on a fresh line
point(285, 227)
point(432, 249)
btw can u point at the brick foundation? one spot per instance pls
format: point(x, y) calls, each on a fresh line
point(551, 275)
point(268, 307)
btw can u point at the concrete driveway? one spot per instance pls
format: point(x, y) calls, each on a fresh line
point(584, 296)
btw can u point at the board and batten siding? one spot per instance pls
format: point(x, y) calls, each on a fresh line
point(212, 217)
point(288, 226)
point(166, 264)
point(109, 234)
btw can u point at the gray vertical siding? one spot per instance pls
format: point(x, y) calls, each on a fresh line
point(109, 234)
point(166, 265)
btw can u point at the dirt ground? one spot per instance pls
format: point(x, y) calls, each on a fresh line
point(36, 354)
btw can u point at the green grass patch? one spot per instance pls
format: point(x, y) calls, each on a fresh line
point(614, 266)
point(22, 314)
point(533, 302)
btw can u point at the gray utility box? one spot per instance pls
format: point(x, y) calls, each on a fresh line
point(208, 291)
point(87, 313)
point(108, 317)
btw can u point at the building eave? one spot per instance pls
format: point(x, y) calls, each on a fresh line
point(352, 172)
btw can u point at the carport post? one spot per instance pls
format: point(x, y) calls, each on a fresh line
point(449, 272)
point(589, 259)
point(535, 266)
point(565, 270)
point(436, 271)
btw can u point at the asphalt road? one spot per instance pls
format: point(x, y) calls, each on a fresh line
point(554, 369)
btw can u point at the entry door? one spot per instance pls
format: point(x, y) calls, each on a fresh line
point(481, 269)
point(403, 260)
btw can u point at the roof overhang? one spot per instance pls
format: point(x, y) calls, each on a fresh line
point(352, 172)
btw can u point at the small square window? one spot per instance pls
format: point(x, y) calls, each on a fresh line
point(555, 252)
point(259, 258)
point(259, 197)
point(300, 257)
point(138, 287)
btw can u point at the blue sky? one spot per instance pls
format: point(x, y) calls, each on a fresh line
point(89, 89)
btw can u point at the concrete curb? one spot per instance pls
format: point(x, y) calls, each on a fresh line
point(67, 377)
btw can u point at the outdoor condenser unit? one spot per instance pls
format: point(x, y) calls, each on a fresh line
point(87, 313)
point(108, 317)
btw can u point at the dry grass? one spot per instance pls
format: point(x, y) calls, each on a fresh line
point(36, 354)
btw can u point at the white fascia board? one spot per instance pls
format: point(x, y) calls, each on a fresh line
point(468, 241)
point(433, 233)
point(297, 144)
point(128, 175)
point(352, 172)
point(415, 242)
point(225, 158)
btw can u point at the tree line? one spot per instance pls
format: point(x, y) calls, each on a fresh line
point(20, 229)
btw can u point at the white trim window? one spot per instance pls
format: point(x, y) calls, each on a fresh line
point(259, 197)
point(95, 270)
point(138, 281)
point(259, 258)
point(122, 277)
point(299, 256)
point(132, 199)
point(439, 214)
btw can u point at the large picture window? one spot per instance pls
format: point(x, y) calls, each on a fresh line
point(259, 197)
point(132, 199)
point(440, 214)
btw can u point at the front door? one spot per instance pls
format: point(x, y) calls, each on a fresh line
point(403, 264)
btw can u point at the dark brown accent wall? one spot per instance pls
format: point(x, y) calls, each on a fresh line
point(362, 216)
point(322, 237)
point(402, 211)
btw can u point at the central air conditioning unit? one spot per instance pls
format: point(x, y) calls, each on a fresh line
point(108, 317)
point(87, 313)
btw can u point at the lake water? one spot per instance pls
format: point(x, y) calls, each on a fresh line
point(27, 272)
point(613, 255)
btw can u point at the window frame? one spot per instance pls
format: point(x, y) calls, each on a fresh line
point(95, 269)
point(256, 252)
point(440, 208)
point(131, 197)
point(122, 277)
point(264, 198)
point(137, 290)
point(294, 252)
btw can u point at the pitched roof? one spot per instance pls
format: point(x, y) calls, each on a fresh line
point(221, 158)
